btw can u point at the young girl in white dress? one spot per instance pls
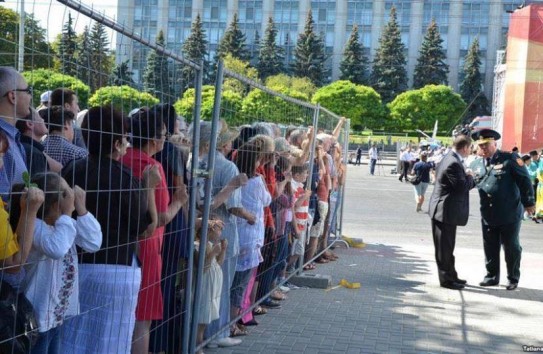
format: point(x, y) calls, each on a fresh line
point(212, 277)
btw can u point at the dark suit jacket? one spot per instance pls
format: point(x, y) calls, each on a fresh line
point(449, 202)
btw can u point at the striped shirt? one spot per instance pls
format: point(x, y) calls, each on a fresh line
point(301, 212)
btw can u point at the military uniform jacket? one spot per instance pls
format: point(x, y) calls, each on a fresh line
point(504, 188)
point(449, 202)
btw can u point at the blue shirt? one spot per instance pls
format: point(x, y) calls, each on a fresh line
point(14, 160)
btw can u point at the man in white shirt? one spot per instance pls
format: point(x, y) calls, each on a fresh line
point(405, 158)
point(373, 155)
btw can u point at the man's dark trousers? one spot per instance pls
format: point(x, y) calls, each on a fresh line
point(493, 237)
point(444, 242)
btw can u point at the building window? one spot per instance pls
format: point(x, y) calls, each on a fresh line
point(214, 13)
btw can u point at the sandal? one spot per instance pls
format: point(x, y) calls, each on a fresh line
point(310, 266)
point(278, 296)
point(259, 310)
point(238, 330)
point(322, 260)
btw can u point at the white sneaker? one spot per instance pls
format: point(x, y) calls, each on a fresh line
point(291, 286)
point(228, 342)
point(212, 345)
point(284, 289)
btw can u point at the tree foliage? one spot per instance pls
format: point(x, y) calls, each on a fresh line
point(270, 56)
point(37, 49)
point(156, 77)
point(389, 75)
point(100, 62)
point(309, 55)
point(354, 66)
point(241, 67)
point(195, 50)
point(233, 42)
point(471, 88)
point(123, 98)
point(261, 106)
point(230, 105)
point(45, 79)
point(67, 48)
point(122, 75)
point(419, 109)
point(84, 62)
point(362, 104)
point(299, 84)
point(431, 67)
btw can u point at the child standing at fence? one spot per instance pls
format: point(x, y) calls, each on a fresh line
point(212, 276)
point(301, 212)
point(254, 197)
point(52, 282)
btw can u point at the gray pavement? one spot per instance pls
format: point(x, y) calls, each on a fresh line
point(400, 307)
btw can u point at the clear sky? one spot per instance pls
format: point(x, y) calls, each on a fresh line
point(52, 15)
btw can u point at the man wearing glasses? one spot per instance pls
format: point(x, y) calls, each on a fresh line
point(15, 101)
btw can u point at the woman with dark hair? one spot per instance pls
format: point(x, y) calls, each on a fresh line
point(165, 334)
point(148, 137)
point(109, 278)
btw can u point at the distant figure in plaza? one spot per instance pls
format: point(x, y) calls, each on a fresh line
point(449, 208)
point(533, 170)
point(505, 191)
point(423, 168)
point(373, 155)
point(405, 159)
point(358, 155)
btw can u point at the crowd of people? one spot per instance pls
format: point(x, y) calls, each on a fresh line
point(95, 230)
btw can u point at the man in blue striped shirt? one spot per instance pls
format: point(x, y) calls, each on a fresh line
point(15, 101)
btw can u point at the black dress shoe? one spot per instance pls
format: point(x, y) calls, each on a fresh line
point(511, 286)
point(452, 285)
point(489, 282)
point(460, 281)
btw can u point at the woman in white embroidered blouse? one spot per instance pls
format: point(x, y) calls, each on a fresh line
point(51, 283)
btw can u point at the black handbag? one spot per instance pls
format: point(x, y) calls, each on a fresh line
point(18, 326)
point(414, 178)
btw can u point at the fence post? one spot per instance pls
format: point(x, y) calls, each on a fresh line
point(316, 113)
point(339, 233)
point(187, 309)
point(208, 175)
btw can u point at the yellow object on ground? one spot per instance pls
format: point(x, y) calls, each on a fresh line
point(354, 242)
point(344, 283)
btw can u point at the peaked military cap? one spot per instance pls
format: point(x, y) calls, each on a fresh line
point(485, 135)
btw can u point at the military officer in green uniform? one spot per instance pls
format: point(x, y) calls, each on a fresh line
point(505, 192)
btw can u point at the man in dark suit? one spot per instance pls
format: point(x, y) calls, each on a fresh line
point(449, 208)
point(506, 192)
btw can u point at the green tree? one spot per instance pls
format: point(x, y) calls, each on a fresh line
point(195, 50)
point(84, 62)
point(362, 104)
point(241, 67)
point(156, 77)
point(37, 50)
point(299, 84)
point(270, 56)
point(471, 88)
point(309, 57)
point(123, 98)
point(45, 79)
point(431, 67)
point(67, 48)
point(389, 76)
point(354, 66)
point(230, 105)
point(233, 42)
point(100, 62)
point(261, 106)
point(419, 109)
point(122, 75)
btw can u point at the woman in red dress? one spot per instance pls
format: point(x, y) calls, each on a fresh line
point(148, 136)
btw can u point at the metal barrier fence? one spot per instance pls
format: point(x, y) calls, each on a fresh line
point(176, 282)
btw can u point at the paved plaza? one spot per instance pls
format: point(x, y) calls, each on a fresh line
point(400, 307)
